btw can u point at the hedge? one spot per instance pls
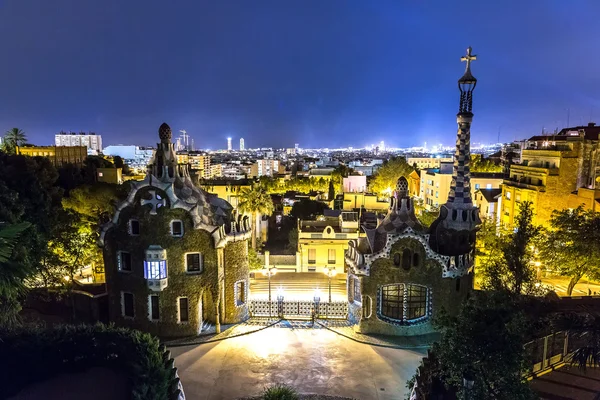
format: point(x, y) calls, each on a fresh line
point(34, 354)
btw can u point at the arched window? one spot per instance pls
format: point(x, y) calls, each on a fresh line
point(416, 260)
point(406, 259)
point(403, 303)
point(397, 259)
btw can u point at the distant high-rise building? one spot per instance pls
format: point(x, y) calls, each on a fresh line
point(90, 140)
point(242, 147)
point(296, 146)
point(381, 146)
point(228, 144)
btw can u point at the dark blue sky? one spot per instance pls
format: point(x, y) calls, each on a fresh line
point(315, 72)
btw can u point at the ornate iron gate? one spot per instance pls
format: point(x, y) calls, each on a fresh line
point(298, 309)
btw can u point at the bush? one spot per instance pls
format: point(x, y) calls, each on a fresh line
point(280, 392)
point(36, 354)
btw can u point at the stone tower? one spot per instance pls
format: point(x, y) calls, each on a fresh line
point(453, 233)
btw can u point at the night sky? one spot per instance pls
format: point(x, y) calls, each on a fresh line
point(318, 73)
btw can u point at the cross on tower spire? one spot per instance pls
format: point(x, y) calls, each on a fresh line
point(468, 58)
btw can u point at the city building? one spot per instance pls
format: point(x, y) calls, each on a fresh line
point(322, 243)
point(401, 274)
point(176, 257)
point(90, 140)
point(216, 171)
point(435, 184)
point(556, 172)
point(265, 167)
point(228, 144)
point(242, 146)
point(109, 175)
point(427, 162)
point(365, 201)
point(354, 183)
point(58, 155)
point(227, 190)
point(136, 157)
point(318, 173)
point(487, 200)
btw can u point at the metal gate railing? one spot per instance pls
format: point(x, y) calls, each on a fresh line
point(298, 309)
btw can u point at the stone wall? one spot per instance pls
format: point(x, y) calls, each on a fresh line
point(445, 293)
point(236, 269)
point(200, 289)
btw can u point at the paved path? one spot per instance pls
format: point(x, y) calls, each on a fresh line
point(312, 360)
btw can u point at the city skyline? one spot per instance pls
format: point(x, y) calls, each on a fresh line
point(390, 77)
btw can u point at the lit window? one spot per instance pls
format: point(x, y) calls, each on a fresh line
point(508, 195)
point(488, 186)
point(134, 227)
point(155, 269)
point(240, 293)
point(183, 309)
point(436, 194)
point(99, 173)
point(127, 305)
point(403, 303)
point(153, 311)
point(477, 186)
point(312, 256)
point(355, 289)
point(124, 261)
point(177, 228)
point(193, 263)
point(331, 256)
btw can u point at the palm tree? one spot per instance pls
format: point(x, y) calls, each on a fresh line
point(584, 339)
point(252, 201)
point(14, 137)
point(12, 274)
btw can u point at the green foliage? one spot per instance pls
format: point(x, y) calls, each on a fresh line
point(511, 268)
point(292, 245)
point(427, 217)
point(572, 244)
point(8, 238)
point(479, 164)
point(584, 336)
point(280, 392)
point(486, 339)
point(308, 209)
point(45, 353)
point(254, 262)
point(96, 202)
point(12, 138)
point(384, 181)
point(252, 201)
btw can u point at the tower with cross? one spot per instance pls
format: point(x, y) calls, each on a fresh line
point(453, 233)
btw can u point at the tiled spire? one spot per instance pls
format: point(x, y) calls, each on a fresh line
point(460, 188)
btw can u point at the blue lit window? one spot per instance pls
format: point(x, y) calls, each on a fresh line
point(477, 186)
point(155, 269)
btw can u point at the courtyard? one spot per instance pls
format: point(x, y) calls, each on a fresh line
point(311, 360)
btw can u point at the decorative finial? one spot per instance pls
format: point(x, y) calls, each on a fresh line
point(402, 188)
point(468, 58)
point(164, 133)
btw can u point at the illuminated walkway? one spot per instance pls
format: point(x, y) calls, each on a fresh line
point(312, 360)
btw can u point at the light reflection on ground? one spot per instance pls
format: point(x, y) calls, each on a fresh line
point(312, 360)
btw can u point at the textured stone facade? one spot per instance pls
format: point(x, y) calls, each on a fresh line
point(175, 257)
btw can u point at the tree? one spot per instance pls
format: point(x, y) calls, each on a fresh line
point(512, 267)
point(583, 330)
point(485, 339)
point(572, 245)
point(307, 209)
point(331, 191)
point(12, 274)
point(255, 201)
point(479, 164)
point(12, 138)
point(292, 245)
point(385, 179)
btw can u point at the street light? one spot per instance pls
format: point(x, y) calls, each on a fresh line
point(330, 272)
point(269, 272)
